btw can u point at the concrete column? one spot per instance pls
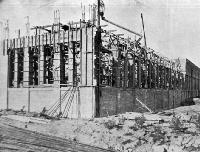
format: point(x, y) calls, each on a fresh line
point(16, 64)
point(83, 58)
point(41, 65)
point(139, 71)
point(70, 59)
point(1, 39)
point(26, 63)
point(90, 58)
point(56, 61)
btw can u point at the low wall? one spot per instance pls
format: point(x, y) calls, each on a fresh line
point(35, 99)
point(117, 100)
point(17, 98)
point(112, 100)
point(3, 81)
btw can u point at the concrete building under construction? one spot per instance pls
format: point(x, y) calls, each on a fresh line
point(81, 70)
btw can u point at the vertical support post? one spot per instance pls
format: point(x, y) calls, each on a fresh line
point(31, 62)
point(191, 83)
point(154, 71)
point(86, 55)
point(139, 70)
point(81, 54)
point(4, 47)
point(143, 31)
point(74, 58)
point(97, 67)
point(179, 80)
point(56, 60)
point(165, 82)
point(150, 74)
point(8, 78)
point(158, 74)
point(161, 74)
point(74, 64)
point(70, 54)
point(133, 70)
point(92, 55)
point(126, 69)
point(170, 76)
point(36, 75)
point(62, 62)
point(118, 72)
point(98, 14)
point(5, 53)
point(98, 60)
point(16, 64)
point(26, 62)
point(41, 59)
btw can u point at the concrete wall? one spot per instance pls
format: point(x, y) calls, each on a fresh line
point(87, 102)
point(17, 98)
point(3, 81)
point(3, 71)
point(112, 100)
point(36, 99)
point(116, 100)
point(43, 97)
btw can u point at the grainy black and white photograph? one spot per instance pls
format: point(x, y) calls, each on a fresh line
point(100, 75)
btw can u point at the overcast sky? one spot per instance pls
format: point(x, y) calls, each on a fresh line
point(172, 26)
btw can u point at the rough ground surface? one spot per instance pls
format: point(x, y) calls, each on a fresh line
point(176, 130)
point(18, 139)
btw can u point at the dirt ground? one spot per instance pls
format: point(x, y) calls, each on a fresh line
point(175, 130)
point(14, 139)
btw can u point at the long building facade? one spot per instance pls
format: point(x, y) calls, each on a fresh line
point(74, 70)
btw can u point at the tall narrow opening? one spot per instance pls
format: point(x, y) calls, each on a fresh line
point(20, 67)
